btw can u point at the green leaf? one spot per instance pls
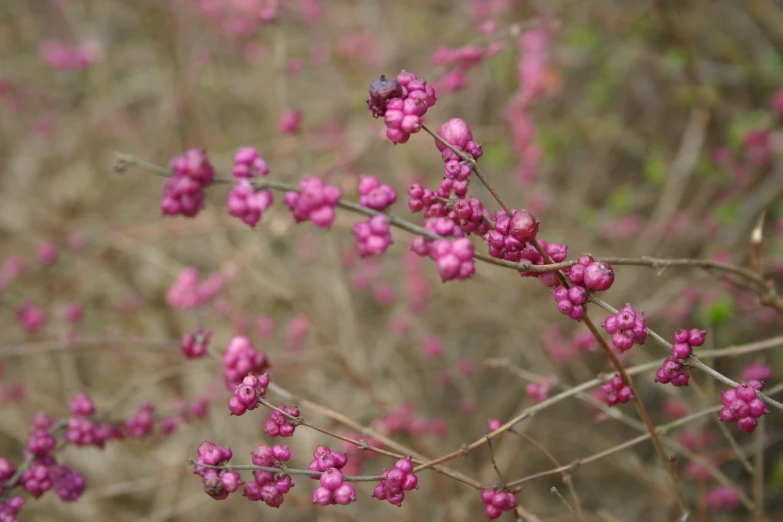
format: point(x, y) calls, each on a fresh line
point(720, 312)
point(726, 213)
point(497, 154)
point(655, 171)
point(621, 200)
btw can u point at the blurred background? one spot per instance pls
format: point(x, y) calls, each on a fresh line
point(628, 128)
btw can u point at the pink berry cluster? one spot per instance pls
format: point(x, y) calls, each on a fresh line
point(402, 102)
point(511, 234)
point(616, 391)
point(188, 292)
point(68, 483)
point(374, 194)
point(315, 201)
point(373, 236)
point(194, 345)
point(457, 133)
point(333, 489)
point(673, 371)
point(248, 163)
point(11, 507)
point(453, 259)
point(31, 317)
point(241, 358)
point(269, 486)
point(140, 425)
point(396, 482)
point(324, 458)
point(247, 203)
point(403, 419)
point(743, 405)
point(722, 498)
point(279, 425)
point(471, 216)
point(570, 301)
point(83, 431)
point(595, 275)
point(627, 328)
point(685, 340)
point(246, 394)
point(496, 502)
point(539, 391)
point(218, 483)
point(183, 192)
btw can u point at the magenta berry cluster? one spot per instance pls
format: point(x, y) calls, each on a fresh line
point(743, 405)
point(373, 236)
point(594, 275)
point(511, 234)
point(324, 458)
point(453, 259)
point(496, 502)
point(471, 216)
point(685, 340)
point(240, 359)
point(315, 202)
point(187, 292)
point(570, 301)
point(10, 508)
point(374, 194)
point(627, 327)
point(218, 483)
point(396, 482)
point(183, 192)
point(457, 133)
point(68, 483)
point(402, 103)
point(333, 489)
point(248, 203)
point(140, 425)
point(195, 345)
point(246, 394)
point(279, 425)
point(673, 371)
point(616, 391)
point(268, 486)
point(31, 317)
point(248, 163)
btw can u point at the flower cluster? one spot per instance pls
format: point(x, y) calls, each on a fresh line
point(246, 394)
point(315, 201)
point(183, 192)
point(195, 345)
point(373, 236)
point(627, 328)
point(240, 359)
point(402, 103)
point(742, 405)
point(279, 424)
point(616, 391)
point(496, 502)
point(396, 482)
point(268, 486)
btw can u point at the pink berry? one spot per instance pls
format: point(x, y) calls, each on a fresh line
point(598, 276)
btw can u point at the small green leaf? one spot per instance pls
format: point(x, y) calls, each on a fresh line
point(721, 311)
point(655, 171)
point(621, 200)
